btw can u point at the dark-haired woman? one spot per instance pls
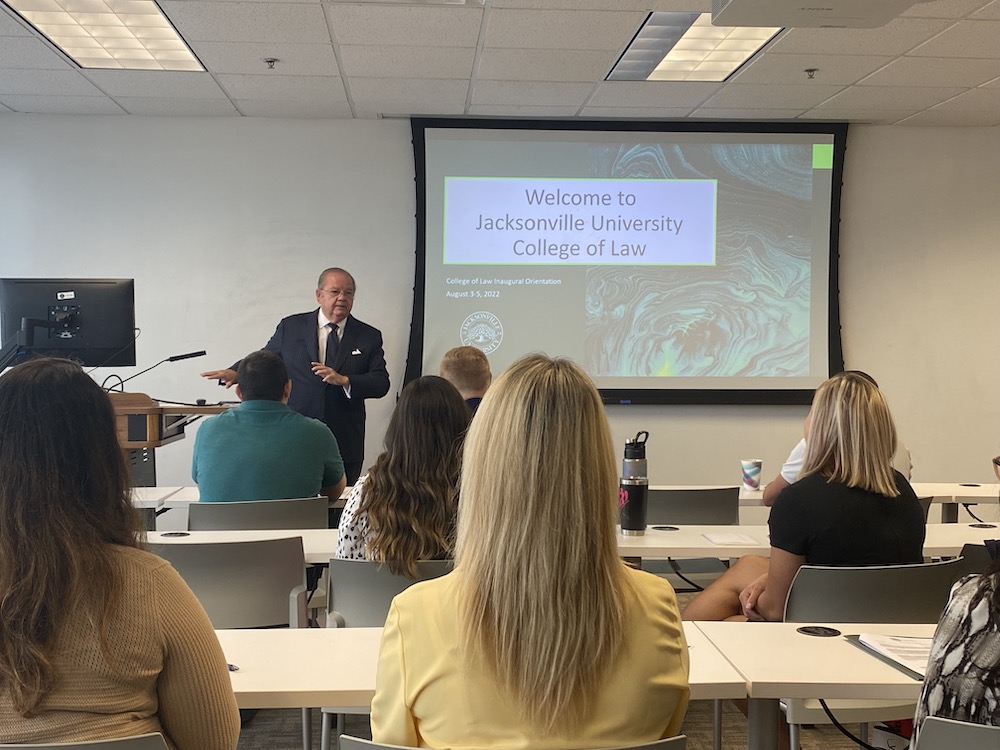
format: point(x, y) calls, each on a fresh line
point(98, 638)
point(404, 509)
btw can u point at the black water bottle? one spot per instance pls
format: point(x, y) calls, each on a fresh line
point(634, 488)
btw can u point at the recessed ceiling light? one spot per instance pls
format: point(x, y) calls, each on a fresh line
point(115, 34)
point(687, 47)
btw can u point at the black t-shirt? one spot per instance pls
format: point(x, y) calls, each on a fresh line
point(832, 524)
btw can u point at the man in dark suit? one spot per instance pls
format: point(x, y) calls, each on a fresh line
point(334, 362)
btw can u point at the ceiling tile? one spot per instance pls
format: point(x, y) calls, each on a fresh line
point(46, 83)
point(11, 25)
point(652, 93)
point(684, 6)
point(976, 100)
point(712, 113)
point(335, 110)
point(140, 105)
point(199, 21)
point(283, 88)
point(989, 11)
point(895, 38)
point(63, 105)
point(629, 113)
point(562, 29)
point(945, 8)
point(407, 26)
point(529, 111)
point(399, 110)
point(934, 71)
point(29, 52)
point(156, 83)
point(407, 62)
point(889, 97)
point(940, 118)
point(761, 96)
point(410, 95)
point(831, 69)
point(545, 65)
point(638, 5)
point(868, 116)
point(248, 57)
point(980, 39)
point(516, 93)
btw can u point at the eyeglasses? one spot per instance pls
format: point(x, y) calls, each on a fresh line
point(348, 293)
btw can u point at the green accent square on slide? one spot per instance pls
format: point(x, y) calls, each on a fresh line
point(822, 156)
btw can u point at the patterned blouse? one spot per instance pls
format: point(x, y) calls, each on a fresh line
point(963, 672)
point(351, 539)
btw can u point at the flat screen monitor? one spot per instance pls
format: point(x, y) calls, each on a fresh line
point(684, 262)
point(89, 320)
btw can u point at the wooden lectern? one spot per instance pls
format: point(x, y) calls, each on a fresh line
point(143, 426)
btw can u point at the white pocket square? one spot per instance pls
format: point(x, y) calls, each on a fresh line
point(356, 351)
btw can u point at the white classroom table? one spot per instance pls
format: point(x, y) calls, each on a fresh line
point(778, 662)
point(691, 541)
point(335, 667)
point(953, 494)
point(319, 545)
point(152, 497)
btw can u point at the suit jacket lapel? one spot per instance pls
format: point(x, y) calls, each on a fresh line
point(311, 335)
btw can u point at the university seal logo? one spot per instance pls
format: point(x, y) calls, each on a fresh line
point(483, 331)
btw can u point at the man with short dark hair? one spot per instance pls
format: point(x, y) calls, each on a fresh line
point(335, 362)
point(262, 450)
point(467, 368)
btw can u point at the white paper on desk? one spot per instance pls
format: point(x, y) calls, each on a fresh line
point(911, 652)
point(735, 540)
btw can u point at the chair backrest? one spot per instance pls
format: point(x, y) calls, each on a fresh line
point(937, 733)
point(975, 558)
point(361, 591)
point(925, 505)
point(250, 584)
point(673, 743)
point(713, 505)
point(297, 513)
point(153, 741)
point(875, 593)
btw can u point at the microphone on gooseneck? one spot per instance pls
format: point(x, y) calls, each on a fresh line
point(175, 358)
point(189, 355)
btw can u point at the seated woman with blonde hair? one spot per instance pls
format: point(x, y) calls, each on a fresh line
point(98, 638)
point(403, 510)
point(541, 637)
point(850, 507)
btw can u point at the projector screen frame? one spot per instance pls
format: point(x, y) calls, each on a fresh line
point(646, 396)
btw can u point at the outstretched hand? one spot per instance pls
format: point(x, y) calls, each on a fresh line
point(225, 377)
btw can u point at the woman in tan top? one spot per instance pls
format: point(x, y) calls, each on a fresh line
point(98, 638)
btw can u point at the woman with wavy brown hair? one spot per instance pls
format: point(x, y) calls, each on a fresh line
point(404, 509)
point(541, 637)
point(98, 638)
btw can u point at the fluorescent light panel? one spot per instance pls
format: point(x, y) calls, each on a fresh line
point(687, 47)
point(117, 34)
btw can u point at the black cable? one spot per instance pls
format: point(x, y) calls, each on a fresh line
point(106, 387)
point(843, 730)
point(677, 571)
point(137, 332)
point(966, 506)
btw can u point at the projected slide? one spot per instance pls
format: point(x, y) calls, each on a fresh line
point(657, 260)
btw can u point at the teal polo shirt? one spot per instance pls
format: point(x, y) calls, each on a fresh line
point(262, 450)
